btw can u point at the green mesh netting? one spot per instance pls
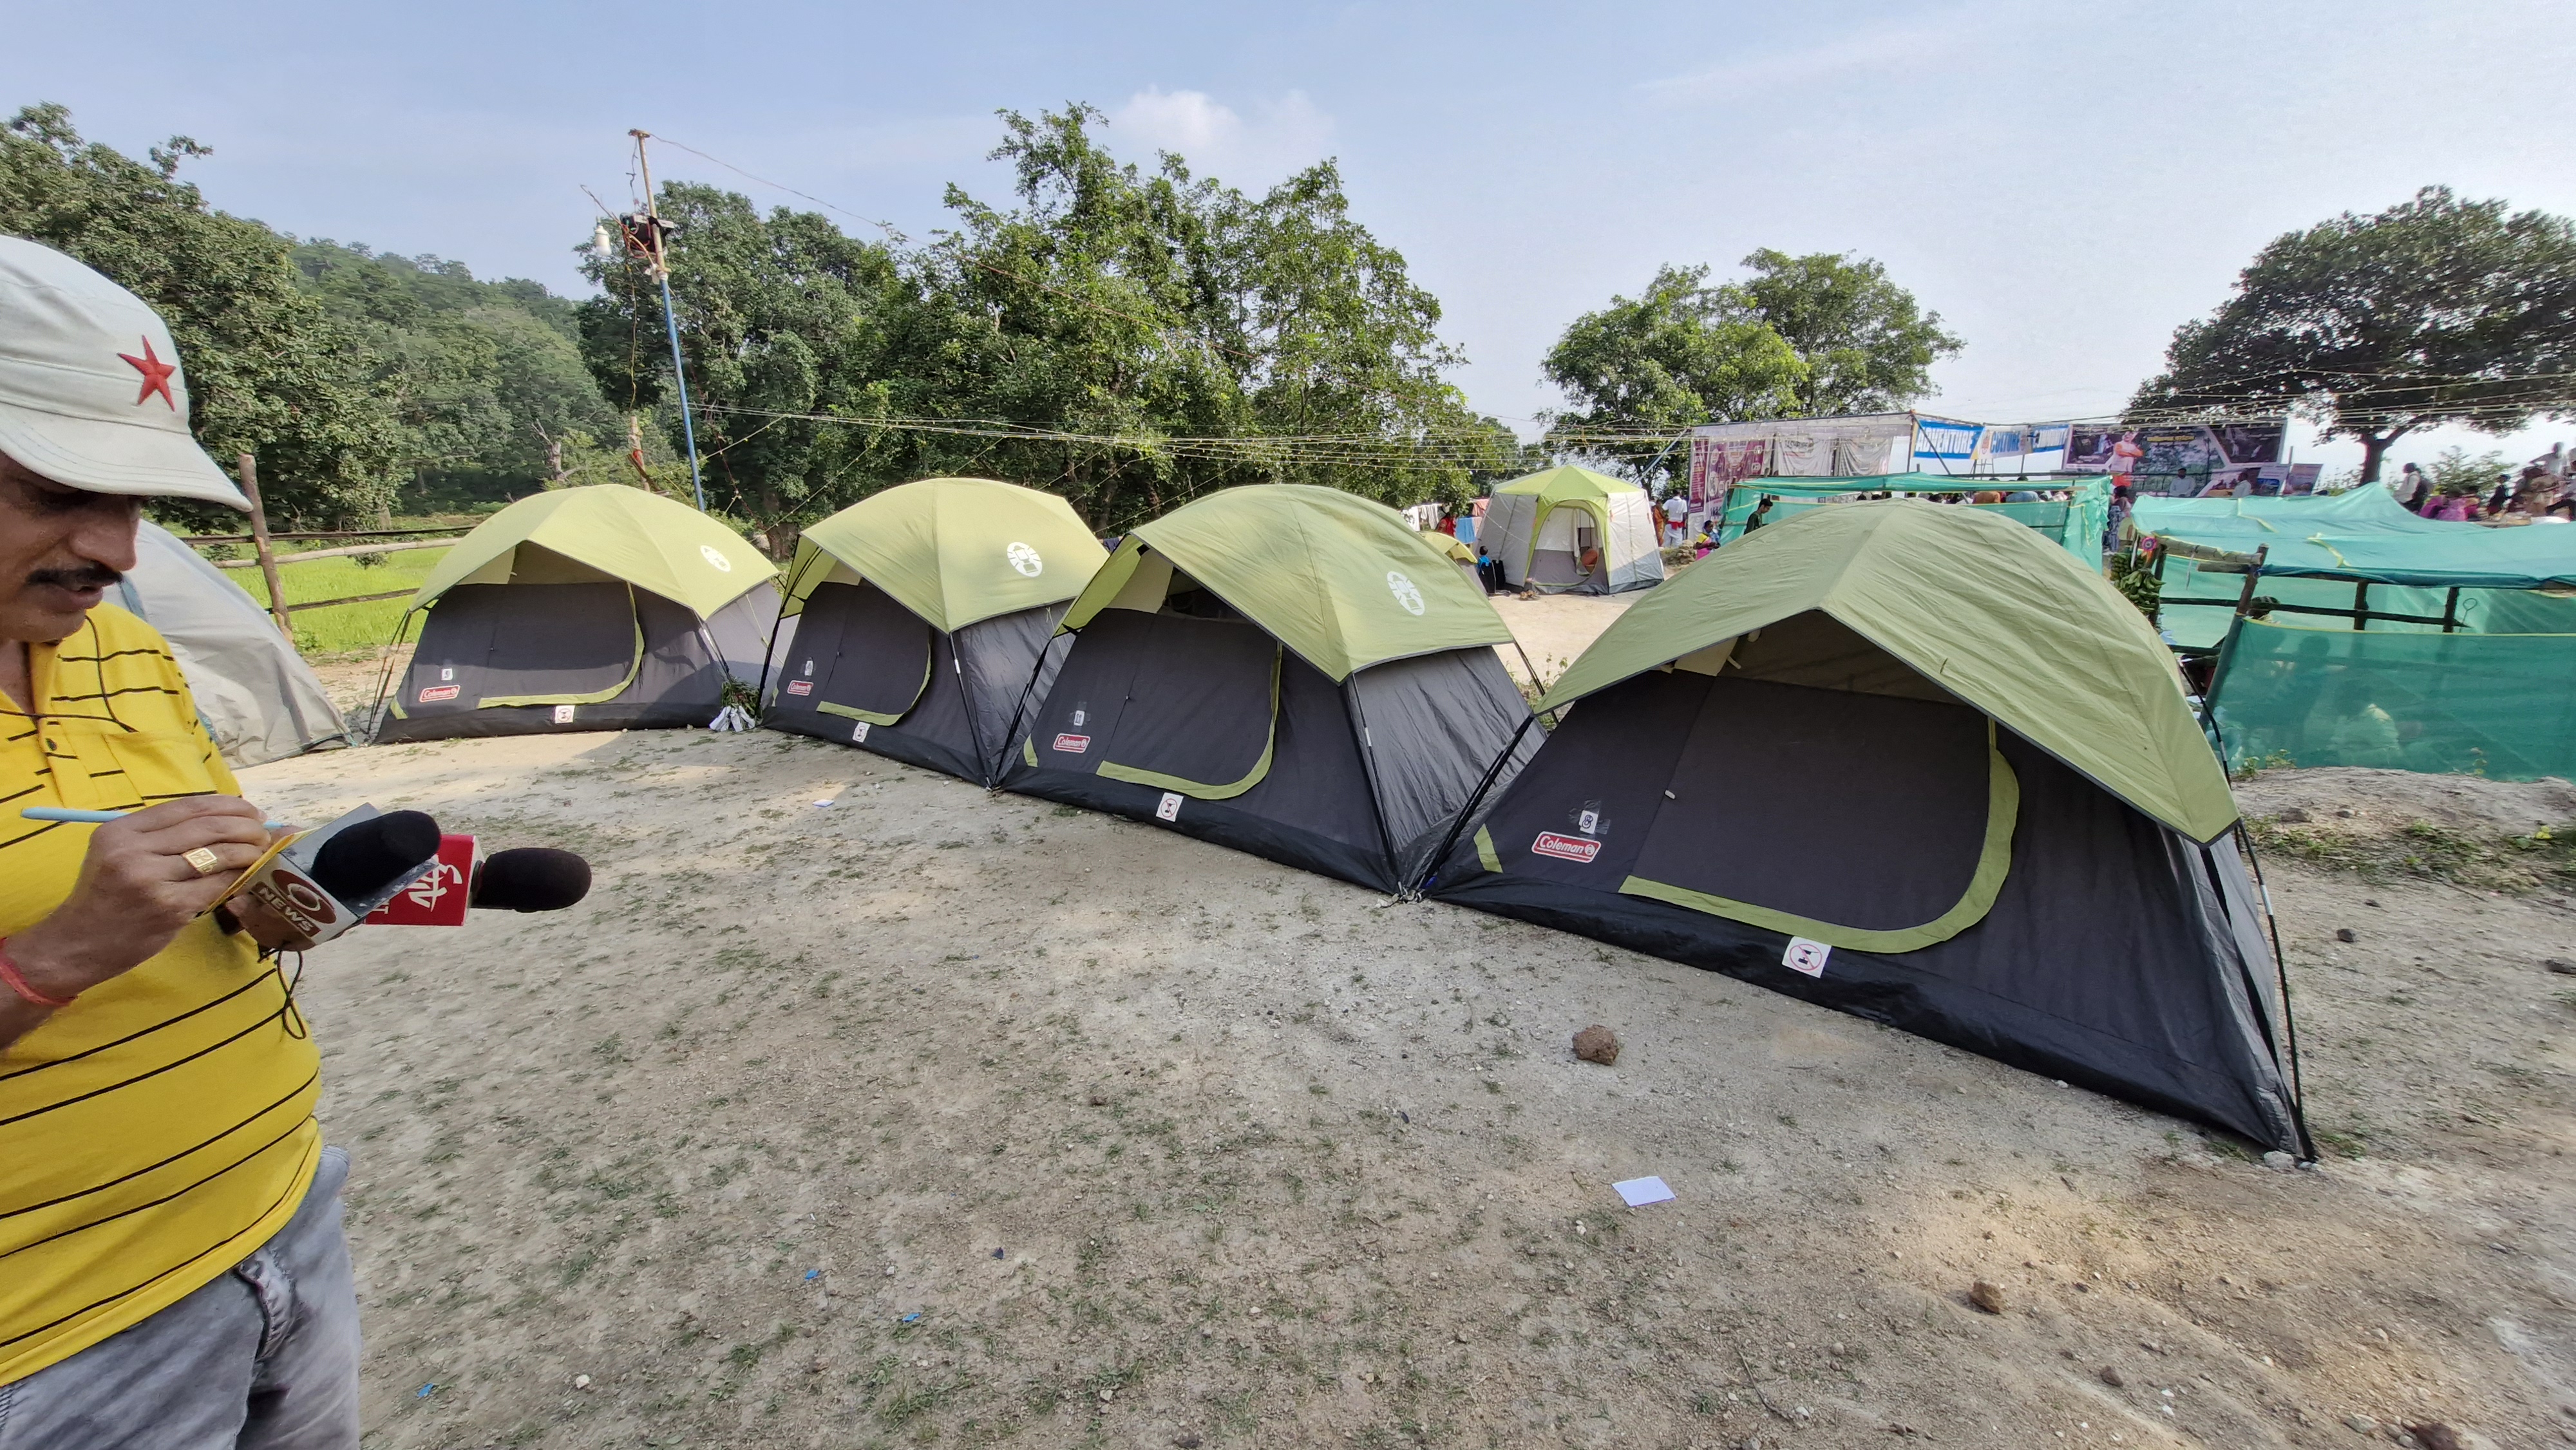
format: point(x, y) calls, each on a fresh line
point(2499, 705)
point(2482, 611)
point(2202, 626)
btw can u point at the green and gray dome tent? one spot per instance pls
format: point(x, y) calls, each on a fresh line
point(1281, 668)
point(600, 608)
point(1914, 763)
point(1573, 530)
point(923, 616)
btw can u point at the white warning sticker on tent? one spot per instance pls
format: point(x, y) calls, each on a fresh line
point(1170, 809)
point(447, 672)
point(563, 714)
point(1806, 956)
point(859, 733)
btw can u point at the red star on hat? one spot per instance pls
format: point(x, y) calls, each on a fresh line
point(156, 375)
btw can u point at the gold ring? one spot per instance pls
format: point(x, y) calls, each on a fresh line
point(204, 859)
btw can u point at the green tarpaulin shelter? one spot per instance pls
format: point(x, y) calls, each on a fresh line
point(1571, 529)
point(1285, 669)
point(2373, 637)
point(1914, 763)
point(2076, 524)
point(923, 616)
point(600, 608)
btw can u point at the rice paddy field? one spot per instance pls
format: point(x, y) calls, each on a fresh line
point(348, 627)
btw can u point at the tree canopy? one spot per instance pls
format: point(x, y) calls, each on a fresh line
point(2435, 311)
point(1867, 344)
point(1126, 338)
point(1804, 336)
point(483, 379)
point(268, 370)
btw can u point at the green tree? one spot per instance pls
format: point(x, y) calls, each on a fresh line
point(2436, 311)
point(1677, 355)
point(782, 318)
point(1867, 344)
point(267, 370)
point(1126, 338)
point(486, 378)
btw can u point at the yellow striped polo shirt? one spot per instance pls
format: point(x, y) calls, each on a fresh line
point(158, 1130)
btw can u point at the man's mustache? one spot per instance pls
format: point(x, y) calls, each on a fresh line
point(88, 576)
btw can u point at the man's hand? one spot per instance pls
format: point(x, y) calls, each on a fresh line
point(136, 890)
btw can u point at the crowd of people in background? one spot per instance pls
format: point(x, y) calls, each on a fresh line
point(2539, 491)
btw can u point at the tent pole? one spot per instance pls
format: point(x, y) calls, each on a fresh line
point(769, 646)
point(1377, 794)
point(385, 675)
point(670, 317)
point(1468, 811)
point(2281, 973)
point(957, 665)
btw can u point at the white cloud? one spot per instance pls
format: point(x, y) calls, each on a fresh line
point(1913, 48)
point(1216, 140)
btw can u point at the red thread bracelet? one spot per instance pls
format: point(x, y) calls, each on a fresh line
point(18, 984)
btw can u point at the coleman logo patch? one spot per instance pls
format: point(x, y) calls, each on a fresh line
point(1072, 744)
point(1565, 848)
point(800, 687)
point(432, 694)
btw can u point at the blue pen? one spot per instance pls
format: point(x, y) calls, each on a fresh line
point(94, 818)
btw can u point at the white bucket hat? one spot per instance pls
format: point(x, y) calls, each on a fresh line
point(91, 394)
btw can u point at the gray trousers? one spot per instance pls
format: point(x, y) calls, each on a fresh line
point(263, 1358)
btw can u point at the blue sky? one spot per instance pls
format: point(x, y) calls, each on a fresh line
point(2064, 182)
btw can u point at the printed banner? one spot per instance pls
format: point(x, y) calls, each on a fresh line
point(2175, 459)
point(1938, 440)
point(1718, 464)
point(2262, 480)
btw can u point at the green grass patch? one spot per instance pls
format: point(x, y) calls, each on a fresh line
point(2427, 852)
point(348, 627)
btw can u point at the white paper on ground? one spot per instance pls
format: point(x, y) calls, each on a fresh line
point(1638, 1192)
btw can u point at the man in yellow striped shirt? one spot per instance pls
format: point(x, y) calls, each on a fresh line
point(172, 1268)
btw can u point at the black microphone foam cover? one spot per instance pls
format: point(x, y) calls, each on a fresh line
point(531, 878)
point(373, 854)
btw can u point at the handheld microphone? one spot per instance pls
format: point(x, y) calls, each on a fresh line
point(375, 854)
point(531, 878)
point(327, 880)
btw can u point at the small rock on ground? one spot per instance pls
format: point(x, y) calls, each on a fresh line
point(2435, 1436)
point(1986, 1297)
point(1597, 1043)
point(2111, 1377)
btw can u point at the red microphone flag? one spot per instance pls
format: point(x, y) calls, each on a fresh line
point(439, 897)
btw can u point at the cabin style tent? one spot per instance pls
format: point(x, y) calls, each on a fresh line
point(1573, 530)
point(1914, 763)
point(1285, 669)
point(925, 616)
point(599, 608)
point(259, 699)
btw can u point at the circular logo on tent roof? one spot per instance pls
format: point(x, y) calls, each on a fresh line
point(1404, 592)
point(715, 558)
point(1026, 560)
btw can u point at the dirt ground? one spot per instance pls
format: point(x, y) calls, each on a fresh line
point(929, 1115)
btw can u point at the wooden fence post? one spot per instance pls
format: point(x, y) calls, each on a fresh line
point(259, 546)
